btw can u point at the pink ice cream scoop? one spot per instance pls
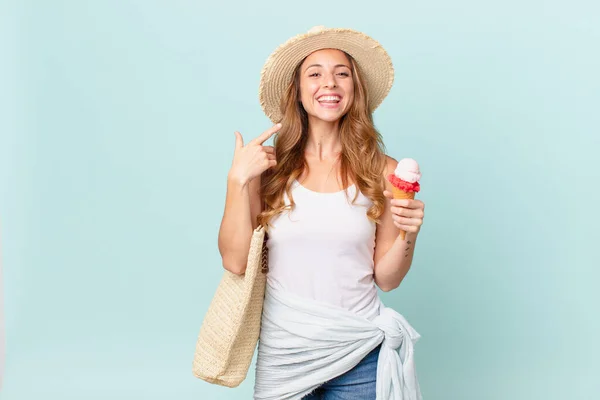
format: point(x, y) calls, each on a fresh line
point(406, 176)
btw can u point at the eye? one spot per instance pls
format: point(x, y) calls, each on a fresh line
point(346, 74)
point(314, 74)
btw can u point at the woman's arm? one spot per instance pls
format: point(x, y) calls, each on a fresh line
point(393, 256)
point(242, 201)
point(242, 206)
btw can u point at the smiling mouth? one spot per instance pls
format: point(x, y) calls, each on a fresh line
point(329, 100)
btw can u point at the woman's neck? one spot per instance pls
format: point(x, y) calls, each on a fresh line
point(323, 140)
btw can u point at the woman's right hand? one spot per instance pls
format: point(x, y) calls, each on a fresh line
point(253, 159)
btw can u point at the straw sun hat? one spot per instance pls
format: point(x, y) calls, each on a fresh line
point(373, 61)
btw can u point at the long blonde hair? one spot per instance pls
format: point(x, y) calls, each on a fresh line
point(362, 158)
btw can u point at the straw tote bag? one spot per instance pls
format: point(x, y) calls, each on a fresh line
point(231, 326)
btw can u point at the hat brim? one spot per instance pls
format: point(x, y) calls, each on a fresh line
point(373, 61)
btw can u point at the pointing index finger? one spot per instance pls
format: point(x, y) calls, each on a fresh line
point(266, 134)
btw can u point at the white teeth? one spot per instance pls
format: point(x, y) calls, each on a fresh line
point(329, 98)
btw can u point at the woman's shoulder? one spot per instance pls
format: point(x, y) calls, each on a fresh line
point(390, 165)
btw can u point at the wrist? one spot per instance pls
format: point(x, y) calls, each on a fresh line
point(409, 237)
point(237, 180)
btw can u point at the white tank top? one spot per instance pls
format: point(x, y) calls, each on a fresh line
point(323, 250)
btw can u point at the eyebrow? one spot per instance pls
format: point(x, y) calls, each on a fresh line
point(319, 65)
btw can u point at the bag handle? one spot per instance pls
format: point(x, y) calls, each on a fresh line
point(264, 260)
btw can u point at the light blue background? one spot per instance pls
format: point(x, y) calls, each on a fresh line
point(116, 134)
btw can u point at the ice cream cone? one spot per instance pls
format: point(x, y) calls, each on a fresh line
point(401, 194)
point(405, 182)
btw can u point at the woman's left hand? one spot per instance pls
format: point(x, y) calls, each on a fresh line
point(408, 214)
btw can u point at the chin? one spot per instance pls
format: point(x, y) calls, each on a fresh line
point(329, 116)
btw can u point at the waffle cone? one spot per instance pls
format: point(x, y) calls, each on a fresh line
point(401, 194)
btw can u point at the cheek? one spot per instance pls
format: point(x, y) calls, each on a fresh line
point(350, 95)
point(307, 92)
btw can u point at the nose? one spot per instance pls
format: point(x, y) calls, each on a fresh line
point(329, 81)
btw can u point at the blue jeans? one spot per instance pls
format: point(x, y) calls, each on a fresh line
point(356, 384)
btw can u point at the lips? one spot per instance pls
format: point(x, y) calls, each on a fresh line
point(329, 99)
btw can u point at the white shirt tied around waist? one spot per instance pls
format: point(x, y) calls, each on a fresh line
point(304, 343)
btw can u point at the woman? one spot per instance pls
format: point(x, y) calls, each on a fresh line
point(333, 225)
